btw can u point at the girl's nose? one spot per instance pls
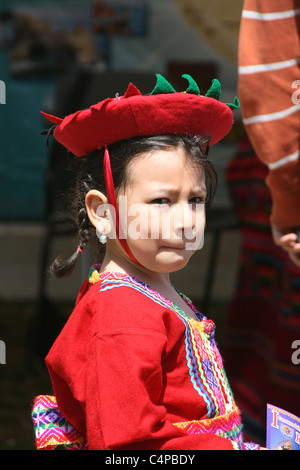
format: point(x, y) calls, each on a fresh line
point(183, 221)
point(189, 225)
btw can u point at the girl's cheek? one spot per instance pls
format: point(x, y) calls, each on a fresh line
point(161, 225)
point(142, 223)
point(199, 223)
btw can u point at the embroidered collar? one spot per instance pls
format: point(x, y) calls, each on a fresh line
point(207, 326)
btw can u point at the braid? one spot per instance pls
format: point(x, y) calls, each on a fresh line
point(61, 267)
point(84, 225)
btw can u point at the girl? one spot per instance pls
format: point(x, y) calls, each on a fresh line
point(136, 366)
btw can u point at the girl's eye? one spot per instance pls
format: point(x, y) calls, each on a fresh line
point(197, 200)
point(163, 200)
point(160, 201)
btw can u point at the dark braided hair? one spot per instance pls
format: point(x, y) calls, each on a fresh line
point(89, 175)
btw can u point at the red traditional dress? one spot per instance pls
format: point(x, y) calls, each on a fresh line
point(130, 370)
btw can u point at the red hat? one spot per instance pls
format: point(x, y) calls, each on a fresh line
point(163, 111)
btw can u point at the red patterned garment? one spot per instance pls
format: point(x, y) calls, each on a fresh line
point(130, 370)
point(264, 314)
point(268, 69)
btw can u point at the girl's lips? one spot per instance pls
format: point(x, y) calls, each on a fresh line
point(174, 247)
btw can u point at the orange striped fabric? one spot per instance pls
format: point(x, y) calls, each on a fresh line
point(269, 92)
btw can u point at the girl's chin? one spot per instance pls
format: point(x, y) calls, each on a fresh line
point(165, 262)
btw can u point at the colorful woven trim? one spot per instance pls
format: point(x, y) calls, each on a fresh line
point(51, 427)
point(227, 426)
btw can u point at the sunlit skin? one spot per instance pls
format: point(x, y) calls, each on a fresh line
point(288, 240)
point(165, 186)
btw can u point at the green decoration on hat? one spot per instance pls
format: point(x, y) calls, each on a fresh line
point(193, 87)
point(162, 86)
point(215, 90)
point(234, 105)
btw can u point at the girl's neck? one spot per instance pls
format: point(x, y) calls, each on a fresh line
point(157, 281)
point(160, 282)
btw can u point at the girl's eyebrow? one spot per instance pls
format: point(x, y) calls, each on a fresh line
point(169, 191)
point(199, 190)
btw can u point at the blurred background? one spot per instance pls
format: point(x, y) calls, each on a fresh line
point(60, 56)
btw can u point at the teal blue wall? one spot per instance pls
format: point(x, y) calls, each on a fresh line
point(23, 152)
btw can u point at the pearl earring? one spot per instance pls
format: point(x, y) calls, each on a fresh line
point(100, 231)
point(103, 239)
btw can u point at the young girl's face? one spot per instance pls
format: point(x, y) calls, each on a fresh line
point(162, 209)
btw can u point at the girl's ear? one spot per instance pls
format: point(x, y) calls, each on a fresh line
point(98, 211)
